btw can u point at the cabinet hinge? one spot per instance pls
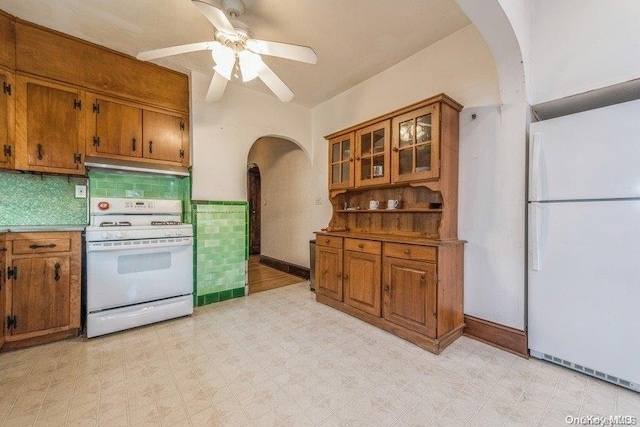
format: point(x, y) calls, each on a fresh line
point(6, 88)
point(96, 141)
point(181, 125)
point(182, 154)
point(77, 104)
point(7, 151)
point(96, 108)
point(77, 158)
point(12, 273)
point(12, 322)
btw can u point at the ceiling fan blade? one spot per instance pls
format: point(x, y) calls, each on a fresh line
point(216, 88)
point(274, 83)
point(174, 50)
point(216, 17)
point(283, 50)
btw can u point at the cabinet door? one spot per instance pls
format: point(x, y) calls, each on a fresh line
point(40, 297)
point(3, 288)
point(117, 129)
point(416, 145)
point(372, 154)
point(329, 272)
point(341, 162)
point(49, 127)
point(410, 295)
point(163, 136)
point(362, 281)
point(7, 109)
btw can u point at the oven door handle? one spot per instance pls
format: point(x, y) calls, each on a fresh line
point(140, 247)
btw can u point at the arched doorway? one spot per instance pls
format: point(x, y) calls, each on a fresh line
point(253, 196)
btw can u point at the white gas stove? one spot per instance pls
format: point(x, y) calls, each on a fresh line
point(139, 263)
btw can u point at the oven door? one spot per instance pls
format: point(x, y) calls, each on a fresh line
point(122, 273)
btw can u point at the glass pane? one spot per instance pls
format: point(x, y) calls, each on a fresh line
point(335, 152)
point(378, 166)
point(406, 133)
point(365, 144)
point(378, 141)
point(423, 129)
point(406, 161)
point(346, 149)
point(423, 157)
point(335, 174)
point(345, 172)
point(365, 168)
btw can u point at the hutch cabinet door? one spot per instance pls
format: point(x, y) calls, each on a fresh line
point(40, 297)
point(410, 295)
point(164, 135)
point(372, 154)
point(362, 281)
point(329, 272)
point(117, 129)
point(49, 127)
point(7, 109)
point(341, 162)
point(416, 145)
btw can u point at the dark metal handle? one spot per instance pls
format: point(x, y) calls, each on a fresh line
point(133, 144)
point(39, 151)
point(57, 271)
point(50, 245)
point(150, 147)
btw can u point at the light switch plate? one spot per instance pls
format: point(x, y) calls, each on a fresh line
point(81, 191)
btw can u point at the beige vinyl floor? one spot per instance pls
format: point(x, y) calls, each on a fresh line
point(278, 358)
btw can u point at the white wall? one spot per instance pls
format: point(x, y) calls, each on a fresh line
point(491, 179)
point(285, 173)
point(223, 133)
point(581, 45)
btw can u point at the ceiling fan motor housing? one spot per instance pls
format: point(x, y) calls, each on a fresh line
point(233, 8)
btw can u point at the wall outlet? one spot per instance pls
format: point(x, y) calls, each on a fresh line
point(318, 200)
point(81, 191)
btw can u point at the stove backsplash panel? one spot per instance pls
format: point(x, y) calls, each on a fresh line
point(28, 199)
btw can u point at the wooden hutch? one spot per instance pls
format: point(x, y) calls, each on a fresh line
point(400, 269)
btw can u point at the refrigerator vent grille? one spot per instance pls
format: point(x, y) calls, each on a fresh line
point(585, 370)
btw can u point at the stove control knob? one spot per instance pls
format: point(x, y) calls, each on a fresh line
point(167, 233)
point(178, 233)
point(119, 234)
point(106, 235)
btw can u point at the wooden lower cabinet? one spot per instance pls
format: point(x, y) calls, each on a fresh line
point(411, 290)
point(43, 287)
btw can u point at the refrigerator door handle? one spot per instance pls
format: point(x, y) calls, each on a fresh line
point(534, 181)
point(534, 236)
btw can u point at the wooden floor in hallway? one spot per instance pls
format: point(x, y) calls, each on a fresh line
point(263, 278)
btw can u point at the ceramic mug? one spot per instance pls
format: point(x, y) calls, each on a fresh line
point(377, 171)
point(392, 204)
point(374, 204)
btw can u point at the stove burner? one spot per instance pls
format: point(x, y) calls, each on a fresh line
point(166, 223)
point(115, 224)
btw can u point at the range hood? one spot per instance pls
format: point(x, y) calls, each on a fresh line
point(127, 165)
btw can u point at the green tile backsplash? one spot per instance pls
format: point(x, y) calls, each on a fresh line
point(27, 199)
point(220, 250)
point(138, 185)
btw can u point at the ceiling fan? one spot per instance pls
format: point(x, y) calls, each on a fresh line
point(234, 50)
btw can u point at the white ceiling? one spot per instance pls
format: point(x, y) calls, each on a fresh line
point(354, 39)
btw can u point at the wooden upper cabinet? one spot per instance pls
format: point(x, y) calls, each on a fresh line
point(7, 119)
point(114, 129)
point(164, 136)
point(416, 145)
point(7, 41)
point(372, 154)
point(341, 156)
point(49, 127)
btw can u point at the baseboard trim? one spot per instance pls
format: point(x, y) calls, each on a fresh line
point(286, 267)
point(494, 334)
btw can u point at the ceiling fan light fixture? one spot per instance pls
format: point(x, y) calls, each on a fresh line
point(250, 64)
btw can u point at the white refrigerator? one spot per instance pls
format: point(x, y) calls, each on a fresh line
point(584, 242)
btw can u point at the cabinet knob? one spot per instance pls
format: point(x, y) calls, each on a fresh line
point(407, 252)
point(358, 158)
point(423, 278)
point(386, 288)
point(339, 275)
point(361, 245)
point(346, 277)
point(396, 149)
point(351, 159)
point(327, 241)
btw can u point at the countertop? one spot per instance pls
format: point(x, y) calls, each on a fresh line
point(41, 228)
point(391, 238)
